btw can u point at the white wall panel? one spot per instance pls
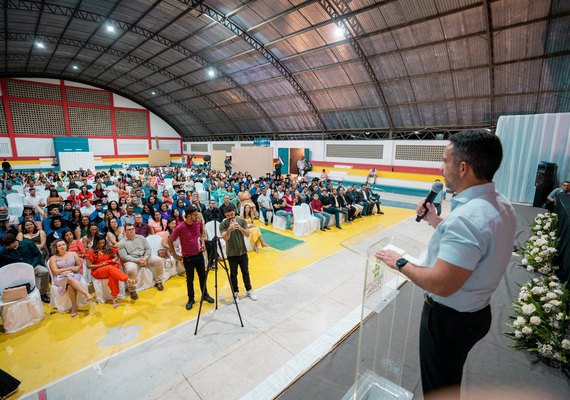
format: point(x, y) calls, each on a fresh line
point(80, 85)
point(158, 127)
point(172, 145)
point(101, 147)
point(35, 147)
point(132, 146)
point(5, 147)
point(120, 101)
point(40, 80)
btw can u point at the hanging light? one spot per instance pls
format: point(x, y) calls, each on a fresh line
point(211, 73)
point(110, 28)
point(40, 45)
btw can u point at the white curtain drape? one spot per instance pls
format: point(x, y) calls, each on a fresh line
point(527, 140)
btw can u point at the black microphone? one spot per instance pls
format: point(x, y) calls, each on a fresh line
point(435, 189)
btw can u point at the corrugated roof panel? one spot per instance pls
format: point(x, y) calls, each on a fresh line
point(289, 23)
point(556, 102)
point(81, 30)
point(381, 43)
point(277, 87)
point(295, 64)
point(475, 82)
point(345, 97)
point(262, 73)
point(377, 118)
point(558, 35)
point(518, 77)
point(227, 50)
point(321, 100)
point(240, 110)
point(388, 66)
point(368, 95)
point(172, 56)
point(356, 72)
point(408, 10)
point(320, 58)
point(242, 62)
point(221, 127)
point(267, 10)
point(405, 116)
point(442, 113)
point(329, 33)
point(346, 119)
point(372, 20)
point(464, 23)
point(514, 11)
point(159, 17)
point(213, 85)
point(299, 122)
point(282, 50)
point(344, 52)
point(473, 112)
point(450, 5)
point(224, 97)
point(332, 76)
point(520, 42)
point(398, 91)
point(560, 7)
point(284, 105)
point(265, 33)
point(433, 87)
point(468, 52)
point(515, 105)
point(417, 34)
point(314, 13)
point(555, 73)
point(308, 81)
point(426, 59)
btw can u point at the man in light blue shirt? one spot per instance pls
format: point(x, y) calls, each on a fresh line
point(467, 257)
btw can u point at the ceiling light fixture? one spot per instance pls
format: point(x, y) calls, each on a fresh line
point(110, 28)
point(211, 73)
point(40, 45)
point(153, 93)
point(339, 31)
point(75, 67)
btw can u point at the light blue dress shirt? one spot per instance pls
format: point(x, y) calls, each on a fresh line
point(477, 235)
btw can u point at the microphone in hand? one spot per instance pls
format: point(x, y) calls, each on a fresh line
point(435, 189)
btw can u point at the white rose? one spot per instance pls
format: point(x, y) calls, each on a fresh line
point(536, 290)
point(524, 261)
point(535, 280)
point(547, 307)
point(551, 295)
point(528, 309)
point(547, 226)
point(540, 216)
point(518, 334)
point(533, 238)
point(565, 344)
point(539, 233)
point(538, 259)
point(534, 250)
point(526, 330)
point(552, 250)
point(552, 234)
point(555, 303)
point(559, 316)
point(529, 268)
point(553, 284)
point(535, 320)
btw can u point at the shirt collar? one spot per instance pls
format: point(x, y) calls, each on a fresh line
point(471, 193)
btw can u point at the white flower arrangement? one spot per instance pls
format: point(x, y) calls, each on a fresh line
point(542, 321)
point(539, 251)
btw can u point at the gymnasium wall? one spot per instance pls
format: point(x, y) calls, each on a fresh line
point(408, 156)
point(34, 111)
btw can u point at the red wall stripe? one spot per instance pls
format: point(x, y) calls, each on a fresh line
point(65, 109)
point(8, 117)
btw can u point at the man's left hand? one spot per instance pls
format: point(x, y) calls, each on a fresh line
point(388, 256)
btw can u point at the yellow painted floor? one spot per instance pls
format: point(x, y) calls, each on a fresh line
point(60, 345)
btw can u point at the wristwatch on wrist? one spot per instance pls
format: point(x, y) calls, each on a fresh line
point(401, 263)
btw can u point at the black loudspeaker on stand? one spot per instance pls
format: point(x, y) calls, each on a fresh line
point(544, 182)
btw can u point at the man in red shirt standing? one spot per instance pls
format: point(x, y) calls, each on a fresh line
point(193, 243)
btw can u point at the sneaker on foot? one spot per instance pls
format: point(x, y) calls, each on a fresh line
point(134, 295)
point(236, 296)
point(251, 295)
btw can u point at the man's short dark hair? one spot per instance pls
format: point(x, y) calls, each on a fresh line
point(190, 210)
point(230, 207)
point(480, 149)
point(8, 239)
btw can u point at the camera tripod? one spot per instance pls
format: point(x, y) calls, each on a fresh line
point(216, 258)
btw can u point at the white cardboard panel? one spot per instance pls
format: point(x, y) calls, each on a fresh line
point(101, 147)
point(35, 147)
point(132, 146)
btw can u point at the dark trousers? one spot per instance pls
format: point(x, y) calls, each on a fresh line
point(243, 263)
point(446, 336)
point(335, 211)
point(191, 263)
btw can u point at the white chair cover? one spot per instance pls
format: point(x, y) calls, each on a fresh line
point(112, 195)
point(279, 222)
point(62, 301)
point(171, 267)
point(144, 279)
point(20, 314)
point(302, 226)
point(15, 204)
point(19, 189)
point(102, 291)
point(315, 222)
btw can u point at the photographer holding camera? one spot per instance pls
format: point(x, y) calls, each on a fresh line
point(211, 213)
point(233, 230)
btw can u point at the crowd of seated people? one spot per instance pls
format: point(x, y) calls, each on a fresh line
point(100, 219)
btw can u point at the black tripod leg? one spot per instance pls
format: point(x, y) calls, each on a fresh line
point(203, 288)
point(225, 267)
